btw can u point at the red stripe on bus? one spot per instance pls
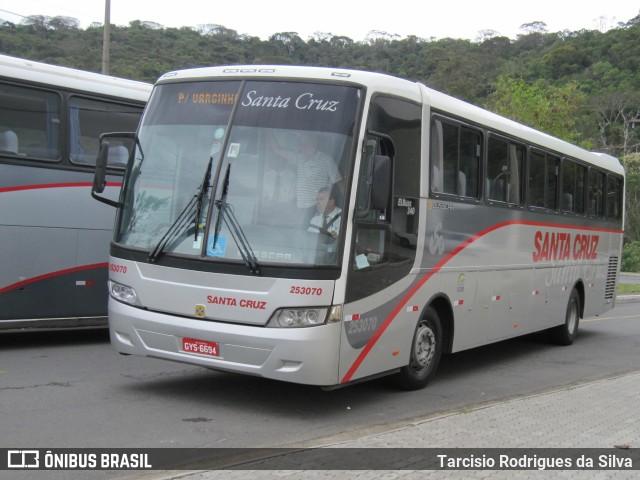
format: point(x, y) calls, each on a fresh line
point(49, 275)
point(54, 185)
point(378, 333)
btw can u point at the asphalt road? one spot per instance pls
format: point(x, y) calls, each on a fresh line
point(70, 389)
point(630, 278)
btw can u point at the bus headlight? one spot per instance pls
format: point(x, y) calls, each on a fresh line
point(123, 293)
point(298, 317)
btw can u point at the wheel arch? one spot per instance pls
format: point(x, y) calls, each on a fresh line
point(579, 287)
point(442, 305)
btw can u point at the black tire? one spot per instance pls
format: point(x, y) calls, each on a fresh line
point(426, 350)
point(566, 333)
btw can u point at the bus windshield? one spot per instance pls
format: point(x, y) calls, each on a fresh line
point(228, 171)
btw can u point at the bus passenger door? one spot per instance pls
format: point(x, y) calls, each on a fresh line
point(383, 249)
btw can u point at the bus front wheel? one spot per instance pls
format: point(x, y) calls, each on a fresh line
point(426, 350)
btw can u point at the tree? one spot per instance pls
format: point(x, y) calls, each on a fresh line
point(488, 34)
point(563, 60)
point(342, 42)
point(64, 23)
point(217, 30)
point(553, 110)
point(378, 36)
point(617, 115)
point(291, 40)
point(40, 22)
point(534, 27)
point(632, 199)
point(321, 37)
point(535, 35)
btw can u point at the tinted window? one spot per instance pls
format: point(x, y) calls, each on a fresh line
point(88, 119)
point(543, 180)
point(573, 186)
point(614, 198)
point(455, 159)
point(595, 195)
point(29, 123)
point(505, 162)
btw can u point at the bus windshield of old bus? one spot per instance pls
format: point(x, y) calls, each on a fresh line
point(241, 171)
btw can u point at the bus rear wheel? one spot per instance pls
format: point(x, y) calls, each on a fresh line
point(566, 333)
point(426, 350)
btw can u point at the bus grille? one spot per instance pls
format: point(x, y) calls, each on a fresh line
point(610, 288)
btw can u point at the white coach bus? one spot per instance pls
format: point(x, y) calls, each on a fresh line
point(54, 240)
point(324, 226)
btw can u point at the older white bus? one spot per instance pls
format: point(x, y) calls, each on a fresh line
point(456, 227)
point(54, 239)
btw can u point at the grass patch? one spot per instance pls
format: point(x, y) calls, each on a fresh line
point(628, 288)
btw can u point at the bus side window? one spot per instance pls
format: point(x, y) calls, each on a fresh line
point(89, 118)
point(29, 123)
point(543, 180)
point(573, 186)
point(455, 159)
point(614, 198)
point(504, 171)
point(595, 196)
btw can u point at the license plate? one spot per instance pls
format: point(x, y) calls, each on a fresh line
point(200, 347)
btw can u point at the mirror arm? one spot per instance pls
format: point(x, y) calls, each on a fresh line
point(108, 201)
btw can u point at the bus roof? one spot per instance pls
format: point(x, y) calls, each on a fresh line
point(413, 91)
point(72, 79)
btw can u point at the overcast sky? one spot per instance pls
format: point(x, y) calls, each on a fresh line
point(350, 18)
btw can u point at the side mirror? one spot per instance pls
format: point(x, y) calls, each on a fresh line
point(100, 175)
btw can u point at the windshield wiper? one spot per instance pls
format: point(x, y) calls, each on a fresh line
point(226, 214)
point(222, 205)
point(194, 207)
point(202, 191)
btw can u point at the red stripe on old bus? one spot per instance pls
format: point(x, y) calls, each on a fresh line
point(378, 333)
point(54, 185)
point(49, 275)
